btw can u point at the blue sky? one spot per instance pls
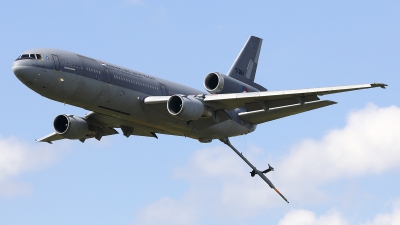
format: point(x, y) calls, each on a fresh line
point(337, 165)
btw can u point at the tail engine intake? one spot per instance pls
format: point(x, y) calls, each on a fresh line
point(218, 83)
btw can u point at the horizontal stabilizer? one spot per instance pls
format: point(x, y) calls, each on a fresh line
point(50, 138)
point(105, 131)
point(262, 116)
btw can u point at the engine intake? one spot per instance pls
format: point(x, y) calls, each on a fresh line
point(187, 108)
point(72, 127)
point(218, 83)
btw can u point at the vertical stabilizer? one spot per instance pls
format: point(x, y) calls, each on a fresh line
point(245, 66)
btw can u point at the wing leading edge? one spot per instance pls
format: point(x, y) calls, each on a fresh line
point(270, 105)
point(272, 99)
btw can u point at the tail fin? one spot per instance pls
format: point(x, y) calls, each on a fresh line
point(245, 66)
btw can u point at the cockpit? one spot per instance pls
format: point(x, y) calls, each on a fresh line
point(30, 56)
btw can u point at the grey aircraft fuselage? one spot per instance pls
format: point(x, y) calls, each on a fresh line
point(115, 91)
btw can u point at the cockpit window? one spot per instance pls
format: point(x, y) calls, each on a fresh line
point(24, 56)
point(30, 56)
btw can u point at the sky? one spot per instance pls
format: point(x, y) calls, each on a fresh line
point(337, 165)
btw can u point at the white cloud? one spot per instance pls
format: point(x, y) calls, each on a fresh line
point(219, 174)
point(167, 211)
point(368, 144)
point(221, 187)
point(17, 157)
point(305, 217)
point(333, 217)
point(387, 218)
point(218, 185)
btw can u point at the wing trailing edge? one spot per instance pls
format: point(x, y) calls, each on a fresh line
point(262, 116)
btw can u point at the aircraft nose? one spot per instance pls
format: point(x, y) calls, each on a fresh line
point(22, 72)
point(19, 70)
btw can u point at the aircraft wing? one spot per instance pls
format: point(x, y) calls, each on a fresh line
point(272, 99)
point(262, 116)
point(265, 106)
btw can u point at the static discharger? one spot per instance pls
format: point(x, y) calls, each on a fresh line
point(255, 170)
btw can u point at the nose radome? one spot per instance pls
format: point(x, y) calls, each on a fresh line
point(19, 70)
point(23, 73)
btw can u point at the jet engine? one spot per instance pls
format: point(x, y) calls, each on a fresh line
point(218, 83)
point(72, 127)
point(187, 108)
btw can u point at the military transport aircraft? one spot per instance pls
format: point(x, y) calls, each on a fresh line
point(145, 105)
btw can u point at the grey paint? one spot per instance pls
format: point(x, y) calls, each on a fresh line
point(244, 67)
point(85, 85)
point(122, 98)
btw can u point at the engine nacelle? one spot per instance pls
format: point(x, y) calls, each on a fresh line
point(72, 127)
point(218, 83)
point(187, 108)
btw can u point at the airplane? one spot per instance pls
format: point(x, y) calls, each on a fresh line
point(144, 105)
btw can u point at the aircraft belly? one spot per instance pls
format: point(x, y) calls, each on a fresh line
point(224, 129)
point(87, 91)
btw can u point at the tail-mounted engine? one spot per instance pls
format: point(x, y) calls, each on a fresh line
point(72, 127)
point(187, 108)
point(218, 83)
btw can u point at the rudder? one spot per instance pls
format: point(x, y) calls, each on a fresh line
point(245, 66)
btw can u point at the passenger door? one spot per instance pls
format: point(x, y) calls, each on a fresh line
point(163, 89)
point(56, 62)
point(108, 75)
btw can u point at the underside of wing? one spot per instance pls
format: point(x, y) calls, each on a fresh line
point(262, 116)
point(158, 104)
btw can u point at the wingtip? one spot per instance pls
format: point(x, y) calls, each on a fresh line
point(381, 85)
point(154, 135)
